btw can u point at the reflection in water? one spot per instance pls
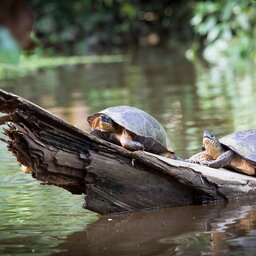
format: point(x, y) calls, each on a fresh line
point(187, 98)
point(190, 230)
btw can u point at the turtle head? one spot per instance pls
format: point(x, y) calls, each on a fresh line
point(107, 124)
point(212, 145)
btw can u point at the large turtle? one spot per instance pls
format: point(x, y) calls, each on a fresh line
point(131, 128)
point(236, 150)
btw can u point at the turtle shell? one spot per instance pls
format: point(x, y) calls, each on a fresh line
point(243, 143)
point(147, 130)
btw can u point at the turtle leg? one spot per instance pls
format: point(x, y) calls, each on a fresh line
point(222, 161)
point(200, 158)
point(171, 155)
point(127, 142)
point(133, 145)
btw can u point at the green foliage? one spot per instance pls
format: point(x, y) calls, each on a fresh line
point(33, 63)
point(86, 25)
point(227, 26)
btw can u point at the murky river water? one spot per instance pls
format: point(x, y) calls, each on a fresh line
point(186, 98)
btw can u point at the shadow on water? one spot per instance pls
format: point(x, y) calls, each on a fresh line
point(190, 230)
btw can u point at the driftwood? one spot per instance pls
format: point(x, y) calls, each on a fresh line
point(112, 178)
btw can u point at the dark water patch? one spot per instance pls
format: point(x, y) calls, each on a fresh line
point(191, 230)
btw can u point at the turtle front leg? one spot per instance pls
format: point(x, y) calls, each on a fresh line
point(200, 158)
point(133, 145)
point(222, 161)
point(127, 142)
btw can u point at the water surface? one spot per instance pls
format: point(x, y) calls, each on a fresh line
point(191, 230)
point(186, 98)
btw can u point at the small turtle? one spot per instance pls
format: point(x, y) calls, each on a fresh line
point(131, 128)
point(236, 150)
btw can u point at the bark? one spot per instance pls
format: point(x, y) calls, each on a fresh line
point(112, 178)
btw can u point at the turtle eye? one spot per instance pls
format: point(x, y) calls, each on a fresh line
point(203, 148)
point(212, 137)
point(208, 135)
point(105, 119)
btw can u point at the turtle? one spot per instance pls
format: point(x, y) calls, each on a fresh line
point(131, 128)
point(236, 150)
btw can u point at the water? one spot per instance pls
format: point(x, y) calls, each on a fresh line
point(190, 230)
point(186, 98)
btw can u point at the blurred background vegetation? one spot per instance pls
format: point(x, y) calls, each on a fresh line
point(226, 27)
point(88, 25)
point(85, 26)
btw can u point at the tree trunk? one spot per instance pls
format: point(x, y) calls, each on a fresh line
point(112, 178)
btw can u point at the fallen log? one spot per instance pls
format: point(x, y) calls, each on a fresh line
point(112, 178)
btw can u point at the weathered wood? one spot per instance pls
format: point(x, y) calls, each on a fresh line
point(111, 178)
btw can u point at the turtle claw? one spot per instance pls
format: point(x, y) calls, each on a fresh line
point(201, 158)
point(133, 146)
point(192, 161)
point(202, 163)
point(205, 163)
point(197, 161)
point(210, 164)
